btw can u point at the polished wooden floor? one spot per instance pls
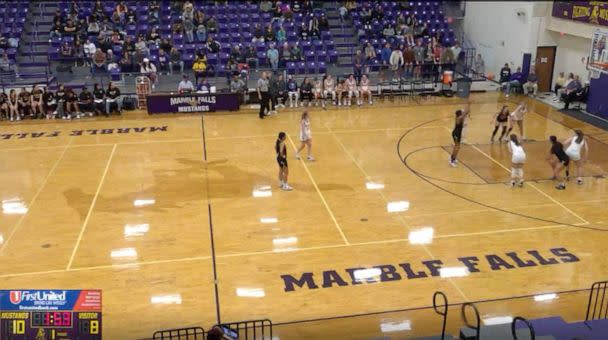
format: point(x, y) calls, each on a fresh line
point(134, 212)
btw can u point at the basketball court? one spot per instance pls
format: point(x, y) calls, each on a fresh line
point(180, 221)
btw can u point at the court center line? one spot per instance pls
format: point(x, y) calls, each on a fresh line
point(35, 197)
point(532, 186)
point(86, 220)
point(265, 252)
point(314, 183)
point(400, 216)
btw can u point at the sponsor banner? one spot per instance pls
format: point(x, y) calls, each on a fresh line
point(590, 12)
point(194, 102)
point(77, 300)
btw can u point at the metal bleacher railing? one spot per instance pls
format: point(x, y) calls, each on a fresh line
point(599, 305)
point(248, 330)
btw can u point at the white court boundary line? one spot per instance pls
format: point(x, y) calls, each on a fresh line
point(86, 220)
point(35, 197)
point(314, 183)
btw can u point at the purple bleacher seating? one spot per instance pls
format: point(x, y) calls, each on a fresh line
point(333, 56)
point(322, 67)
point(309, 56)
point(188, 59)
point(301, 67)
point(321, 56)
point(311, 67)
point(212, 59)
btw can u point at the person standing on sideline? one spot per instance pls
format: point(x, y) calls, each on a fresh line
point(281, 151)
point(305, 137)
point(517, 116)
point(558, 159)
point(263, 95)
point(560, 82)
point(460, 116)
point(573, 146)
point(518, 158)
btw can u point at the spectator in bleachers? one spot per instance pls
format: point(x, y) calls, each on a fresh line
point(78, 51)
point(230, 68)
point(313, 23)
point(201, 32)
point(175, 58)
point(251, 57)
point(131, 17)
point(93, 28)
point(104, 43)
point(116, 38)
point(408, 60)
point(177, 28)
point(273, 57)
point(5, 63)
point(199, 67)
point(269, 34)
point(401, 21)
point(388, 31)
point(154, 10)
point(304, 33)
point(277, 15)
point(296, 52)
point(58, 17)
point(113, 99)
point(422, 31)
point(307, 6)
point(149, 69)
point(111, 61)
point(185, 85)
point(117, 20)
point(99, 61)
point(69, 29)
point(296, 8)
point(236, 54)
point(479, 66)
point(438, 51)
point(66, 52)
point(370, 56)
point(163, 61)
point(258, 34)
point(323, 23)
point(99, 98)
point(343, 11)
point(265, 6)
point(358, 63)
point(456, 49)
point(165, 44)
point(281, 35)
point(141, 48)
point(153, 36)
point(126, 62)
point(385, 60)
point(396, 62)
point(189, 30)
point(378, 12)
point(121, 8)
point(532, 83)
point(212, 45)
point(505, 74)
point(85, 102)
point(560, 82)
point(447, 56)
point(56, 32)
point(237, 85)
point(516, 79)
point(419, 55)
point(212, 25)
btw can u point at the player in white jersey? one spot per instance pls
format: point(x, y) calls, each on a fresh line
point(351, 85)
point(518, 158)
point(317, 92)
point(517, 116)
point(364, 89)
point(329, 88)
point(574, 145)
point(305, 136)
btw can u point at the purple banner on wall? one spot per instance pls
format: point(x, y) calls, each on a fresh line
point(597, 103)
point(194, 102)
point(590, 12)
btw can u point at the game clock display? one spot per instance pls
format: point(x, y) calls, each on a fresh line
point(50, 314)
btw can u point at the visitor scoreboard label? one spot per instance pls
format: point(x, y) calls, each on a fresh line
point(50, 314)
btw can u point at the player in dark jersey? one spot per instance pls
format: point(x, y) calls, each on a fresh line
point(500, 120)
point(37, 107)
point(461, 115)
point(281, 150)
point(559, 160)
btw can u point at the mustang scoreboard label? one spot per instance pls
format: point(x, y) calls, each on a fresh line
point(50, 314)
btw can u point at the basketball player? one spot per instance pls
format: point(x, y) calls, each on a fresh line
point(558, 159)
point(341, 91)
point(329, 88)
point(281, 151)
point(518, 158)
point(365, 90)
point(351, 85)
point(317, 91)
point(37, 109)
point(574, 145)
point(517, 116)
point(461, 115)
point(500, 120)
point(305, 136)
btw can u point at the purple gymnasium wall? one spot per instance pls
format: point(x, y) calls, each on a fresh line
point(597, 103)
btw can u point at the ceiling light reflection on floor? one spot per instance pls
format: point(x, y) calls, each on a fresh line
point(421, 236)
point(447, 272)
point(369, 274)
point(545, 297)
point(13, 206)
point(269, 220)
point(124, 254)
point(171, 299)
point(284, 244)
point(398, 206)
point(497, 320)
point(387, 327)
point(250, 292)
point(374, 185)
point(143, 202)
point(134, 230)
point(262, 191)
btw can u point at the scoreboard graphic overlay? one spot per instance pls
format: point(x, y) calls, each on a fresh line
point(50, 314)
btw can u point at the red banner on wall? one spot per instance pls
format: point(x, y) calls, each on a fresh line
point(589, 12)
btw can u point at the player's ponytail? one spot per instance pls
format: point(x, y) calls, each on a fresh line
point(514, 139)
point(579, 136)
